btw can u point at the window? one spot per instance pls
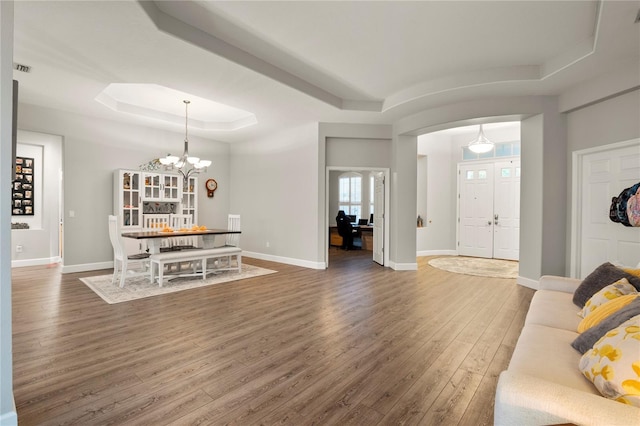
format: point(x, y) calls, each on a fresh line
point(502, 149)
point(351, 193)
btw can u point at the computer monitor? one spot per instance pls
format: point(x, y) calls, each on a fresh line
point(352, 218)
point(362, 222)
point(371, 219)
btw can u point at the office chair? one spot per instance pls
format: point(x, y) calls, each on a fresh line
point(345, 230)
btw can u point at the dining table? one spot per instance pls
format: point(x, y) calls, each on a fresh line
point(154, 238)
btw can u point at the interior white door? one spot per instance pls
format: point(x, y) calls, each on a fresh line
point(506, 210)
point(378, 218)
point(476, 210)
point(604, 175)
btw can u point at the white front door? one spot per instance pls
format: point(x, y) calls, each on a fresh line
point(489, 210)
point(604, 175)
point(506, 210)
point(476, 210)
point(378, 218)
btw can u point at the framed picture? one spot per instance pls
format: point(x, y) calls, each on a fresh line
point(22, 190)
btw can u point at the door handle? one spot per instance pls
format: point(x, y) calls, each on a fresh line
point(495, 219)
point(489, 222)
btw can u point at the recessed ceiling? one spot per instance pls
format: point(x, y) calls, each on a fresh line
point(162, 103)
point(292, 63)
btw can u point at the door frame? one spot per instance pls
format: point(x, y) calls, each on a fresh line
point(577, 175)
point(386, 172)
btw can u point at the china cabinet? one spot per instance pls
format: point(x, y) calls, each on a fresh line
point(141, 193)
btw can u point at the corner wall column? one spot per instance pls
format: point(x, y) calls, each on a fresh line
point(8, 414)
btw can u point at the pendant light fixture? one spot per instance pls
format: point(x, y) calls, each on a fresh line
point(186, 165)
point(480, 144)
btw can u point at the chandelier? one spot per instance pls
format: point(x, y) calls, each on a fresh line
point(186, 164)
point(480, 144)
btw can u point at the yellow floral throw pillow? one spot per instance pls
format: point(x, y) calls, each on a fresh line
point(610, 292)
point(613, 364)
point(635, 272)
point(606, 309)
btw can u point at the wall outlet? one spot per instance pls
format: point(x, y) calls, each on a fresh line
point(268, 244)
point(18, 249)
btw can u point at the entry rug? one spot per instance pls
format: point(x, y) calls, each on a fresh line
point(495, 268)
point(140, 287)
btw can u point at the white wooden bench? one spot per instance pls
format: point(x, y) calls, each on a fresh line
point(198, 258)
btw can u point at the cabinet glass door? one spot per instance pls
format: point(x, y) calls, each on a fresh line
point(171, 188)
point(152, 186)
point(130, 199)
point(189, 200)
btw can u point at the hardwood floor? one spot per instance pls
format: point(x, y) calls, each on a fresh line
point(355, 344)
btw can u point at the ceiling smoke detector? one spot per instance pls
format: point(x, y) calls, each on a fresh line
point(21, 67)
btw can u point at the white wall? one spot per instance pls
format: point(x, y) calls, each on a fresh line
point(531, 196)
point(40, 243)
point(358, 152)
point(438, 190)
point(92, 150)
point(611, 120)
point(274, 189)
point(403, 207)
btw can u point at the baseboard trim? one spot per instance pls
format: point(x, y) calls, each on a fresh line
point(528, 282)
point(84, 267)
point(10, 418)
point(422, 253)
point(403, 266)
point(285, 260)
point(35, 262)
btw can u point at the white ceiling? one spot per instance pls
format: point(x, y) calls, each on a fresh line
point(292, 63)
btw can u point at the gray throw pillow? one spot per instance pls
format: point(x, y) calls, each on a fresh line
point(587, 339)
point(603, 275)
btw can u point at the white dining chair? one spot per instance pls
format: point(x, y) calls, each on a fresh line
point(233, 224)
point(155, 222)
point(182, 221)
point(124, 266)
point(231, 240)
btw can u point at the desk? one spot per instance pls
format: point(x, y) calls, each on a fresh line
point(155, 237)
point(365, 233)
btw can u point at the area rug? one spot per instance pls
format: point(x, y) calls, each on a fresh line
point(140, 287)
point(495, 268)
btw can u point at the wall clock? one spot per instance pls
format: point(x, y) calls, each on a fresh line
point(211, 186)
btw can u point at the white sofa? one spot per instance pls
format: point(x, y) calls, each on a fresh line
point(543, 384)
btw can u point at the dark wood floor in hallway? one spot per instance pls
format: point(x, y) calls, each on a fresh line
point(354, 344)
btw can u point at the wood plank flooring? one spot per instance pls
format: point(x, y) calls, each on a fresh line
point(356, 344)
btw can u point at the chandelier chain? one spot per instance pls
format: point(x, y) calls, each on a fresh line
point(185, 165)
